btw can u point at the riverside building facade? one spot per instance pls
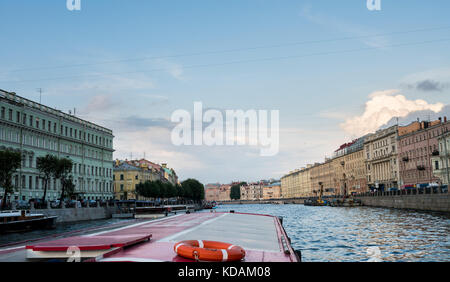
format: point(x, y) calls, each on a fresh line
point(418, 142)
point(441, 161)
point(37, 130)
point(380, 149)
point(350, 168)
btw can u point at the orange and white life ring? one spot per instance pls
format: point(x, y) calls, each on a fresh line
point(200, 250)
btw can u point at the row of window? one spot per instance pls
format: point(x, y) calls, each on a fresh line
point(50, 144)
point(29, 182)
point(92, 170)
point(423, 151)
point(51, 127)
point(424, 136)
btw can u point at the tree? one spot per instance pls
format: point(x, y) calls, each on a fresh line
point(171, 190)
point(46, 166)
point(193, 189)
point(155, 189)
point(235, 192)
point(62, 169)
point(10, 161)
point(69, 187)
point(142, 189)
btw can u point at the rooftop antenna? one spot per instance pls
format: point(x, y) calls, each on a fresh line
point(40, 94)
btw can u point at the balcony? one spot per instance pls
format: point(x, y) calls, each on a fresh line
point(435, 153)
point(421, 167)
point(405, 159)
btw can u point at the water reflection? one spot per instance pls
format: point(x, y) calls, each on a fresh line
point(345, 234)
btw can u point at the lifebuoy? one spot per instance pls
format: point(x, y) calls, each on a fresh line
point(209, 250)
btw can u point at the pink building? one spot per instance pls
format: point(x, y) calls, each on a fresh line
point(418, 142)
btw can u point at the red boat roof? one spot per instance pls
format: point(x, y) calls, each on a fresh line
point(262, 237)
point(90, 243)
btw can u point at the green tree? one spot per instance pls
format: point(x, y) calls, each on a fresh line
point(171, 190)
point(46, 166)
point(10, 161)
point(193, 189)
point(69, 187)
point(142, 189)
point(62, 170)
point(235, 192)
point(155, 189)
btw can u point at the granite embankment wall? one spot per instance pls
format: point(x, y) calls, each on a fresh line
point(271, 201)
point(427, 202)
point(78, 214)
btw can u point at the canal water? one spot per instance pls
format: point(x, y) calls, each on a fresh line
point(337, 234)
point(343, 234)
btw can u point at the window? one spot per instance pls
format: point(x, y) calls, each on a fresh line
point(30, 182)
point(10, 114)
point(121, 177)
point(18, 117)
point(24, 120)
point(3, 112)
point(37, 122)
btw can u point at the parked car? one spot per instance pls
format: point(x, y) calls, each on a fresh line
point(22, 205)
point(54, 204)
point(38, 203)
point(392, 189)
point(71, 203)
point(92, 203)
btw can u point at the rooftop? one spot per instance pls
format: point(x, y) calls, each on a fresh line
point(12, 96)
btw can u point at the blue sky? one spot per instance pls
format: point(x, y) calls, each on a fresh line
point(128, 65)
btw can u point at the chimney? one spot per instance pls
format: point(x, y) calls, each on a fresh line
point(440, 120)
point(445, 119)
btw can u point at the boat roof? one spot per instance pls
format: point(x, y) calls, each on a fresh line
point(262, 237)
point(18, 213)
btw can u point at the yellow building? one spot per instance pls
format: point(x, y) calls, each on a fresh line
point(355, 173)
point(127, 176)
point(272, 191)
point(322, 173)
point(297, 183)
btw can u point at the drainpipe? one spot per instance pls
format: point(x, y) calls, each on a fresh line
point(446, 157)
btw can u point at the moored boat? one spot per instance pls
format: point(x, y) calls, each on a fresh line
point(17, 221)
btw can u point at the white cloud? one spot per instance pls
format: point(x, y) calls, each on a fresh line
point(173, 69)
point(155, 143)
point(381, 108)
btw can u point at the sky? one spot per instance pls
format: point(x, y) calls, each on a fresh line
point(333, 69)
